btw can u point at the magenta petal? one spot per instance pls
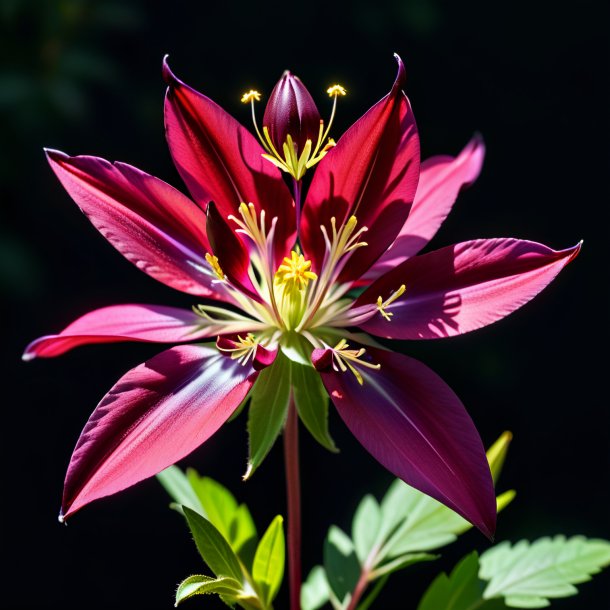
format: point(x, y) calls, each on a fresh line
point(440, 181)
point(220, 160)
point(134, 322)
point(371, 173)
point(463, 287)
point(407, 417)
point(149, 222)
point(233, 256)
point(154, 416)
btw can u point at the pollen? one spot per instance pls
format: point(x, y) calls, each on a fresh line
point(295, 272)
point(251, 96)
point(381, 304)
point(350, 359)
point(216, 268)
point(243, 350)
point(336, 90)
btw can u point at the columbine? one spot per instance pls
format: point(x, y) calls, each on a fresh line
point(284, 279)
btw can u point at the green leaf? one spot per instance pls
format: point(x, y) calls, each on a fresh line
point(201, 585)
point(179, 488)
point(461, 590)
point(340, 563)
point(496, 454)
point(243, 535)
point(400, 563)
point(217, 501)
point(212, 547)
point(268, 566)
point(311, 400)
point(268, 409)
point(365, 527)
point(528, 574)
point(315, 592)
point(296, 348)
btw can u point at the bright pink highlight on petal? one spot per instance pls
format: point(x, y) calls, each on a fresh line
point(440, 181)
point(149, 222)
point(220, 160)
point(407, 417)
point(134, 322)
point(463, 287)
point(371, 173)
point(154, 416)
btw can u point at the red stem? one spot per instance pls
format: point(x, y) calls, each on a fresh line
point(360, 588)
point(293, 495)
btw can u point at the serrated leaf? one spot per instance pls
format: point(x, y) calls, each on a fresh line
point(202, 585)
point(268, 566)
point(212, 547)
point(400, 563)
point(315, 590)
point(311, 400)
point(268, 409)
point(217, 501)
point(365, 527)
point(177, 485)
point(528, 574)
point(340, 563)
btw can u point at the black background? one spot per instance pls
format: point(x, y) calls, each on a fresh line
point(84, 77)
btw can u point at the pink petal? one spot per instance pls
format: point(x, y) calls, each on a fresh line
point(414, 425)
point(220, 160)
point(440, 181)
point(147, 323)
point(463, 287)
point(154, 416)
point(233, 256)
point(149, 222)
point(371, 173)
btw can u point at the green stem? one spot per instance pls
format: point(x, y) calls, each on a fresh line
point(293, 494)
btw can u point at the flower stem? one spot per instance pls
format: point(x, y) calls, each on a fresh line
point(296, 191)
point(293, 495)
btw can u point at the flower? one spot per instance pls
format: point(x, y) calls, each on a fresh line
point(284, 283)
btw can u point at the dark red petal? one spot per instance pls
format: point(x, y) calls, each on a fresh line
point(463, 287)
point(441, 179)
point(291, 110)
point(407, 417)
point(233, 257)
point(154, 416)
point(263, 357)
point(371, 173)
point(133, 322)
point(149, 222)
point(220, 160)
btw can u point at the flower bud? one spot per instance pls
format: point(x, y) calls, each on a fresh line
point(292, 112)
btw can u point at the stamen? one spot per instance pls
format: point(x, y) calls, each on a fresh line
point(333, 91)
point(213, 262)
point(381, 305)
point(345, 359)
point(244, 350)
point(253, 96)
point(294, 272)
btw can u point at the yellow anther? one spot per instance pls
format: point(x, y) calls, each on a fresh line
point(251, 96)
point(294, 272)
point(336, 90)
point(344, 358)
point(213, 262)
point(245, 348)
point(381, 304)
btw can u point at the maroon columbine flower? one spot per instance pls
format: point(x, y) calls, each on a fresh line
point(369, 210)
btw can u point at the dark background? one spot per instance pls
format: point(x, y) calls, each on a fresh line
point(85, 77)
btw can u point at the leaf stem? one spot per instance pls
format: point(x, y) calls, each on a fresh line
point(360, 588)
point(293, 497)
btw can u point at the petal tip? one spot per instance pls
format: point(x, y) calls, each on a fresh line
point(321, 359)
point(28, 356)
point(401, 77)
point(167, 74)
point(53, 154)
